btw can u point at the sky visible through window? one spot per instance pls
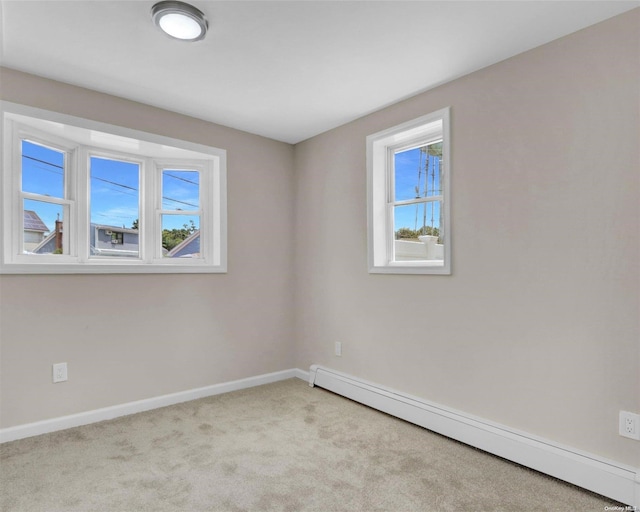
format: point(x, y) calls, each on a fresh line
point(115, 196)
point(417, 174)
point(115, 188)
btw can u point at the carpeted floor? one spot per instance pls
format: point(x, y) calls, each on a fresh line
point(280, 447)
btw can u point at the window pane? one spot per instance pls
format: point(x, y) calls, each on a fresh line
point(42, 170)
point(180, 190)
point(181, 236)
point(418, 172)
point(43, 227)
point(115, 212)
point(417, 232)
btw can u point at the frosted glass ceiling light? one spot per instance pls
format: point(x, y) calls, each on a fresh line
point(179, 20)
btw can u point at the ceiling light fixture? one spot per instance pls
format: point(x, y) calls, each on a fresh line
point(180, 20)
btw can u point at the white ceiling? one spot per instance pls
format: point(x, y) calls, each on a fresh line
point(285, 70)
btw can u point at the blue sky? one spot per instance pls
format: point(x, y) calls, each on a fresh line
point(407, 164)
point(114, 189)
point(115, 186)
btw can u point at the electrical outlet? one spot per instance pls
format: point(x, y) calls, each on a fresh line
point(629, 425)
point(59, 372)
point(338, 348)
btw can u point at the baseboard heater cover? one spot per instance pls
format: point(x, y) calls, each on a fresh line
point(616, 481)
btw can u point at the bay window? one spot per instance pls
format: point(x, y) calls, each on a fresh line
point(84, 197)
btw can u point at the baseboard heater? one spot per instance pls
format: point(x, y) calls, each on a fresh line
point(610, 479)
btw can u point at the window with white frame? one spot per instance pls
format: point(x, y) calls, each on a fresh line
point(408, 199)
point(85, 197)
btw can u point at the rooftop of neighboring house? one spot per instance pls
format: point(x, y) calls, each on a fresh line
point(105, 227)
point(189, 247)
point(32, 222)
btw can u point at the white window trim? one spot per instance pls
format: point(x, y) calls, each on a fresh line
point(380, 148)
point(49, 127)
point(205, 198)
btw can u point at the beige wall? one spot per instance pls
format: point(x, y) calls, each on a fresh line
point(543, 336)
point(179, 332)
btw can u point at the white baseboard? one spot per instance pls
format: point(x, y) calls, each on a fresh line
point(608, 478)
point(301, 374)
point(108, 413)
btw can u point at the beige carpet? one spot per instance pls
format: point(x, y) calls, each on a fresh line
point(283, 446)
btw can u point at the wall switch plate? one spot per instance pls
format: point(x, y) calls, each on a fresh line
point(629, 425)
point(338, 348)
point(59, 372)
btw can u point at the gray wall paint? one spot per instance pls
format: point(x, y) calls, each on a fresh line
point(542, 337)
point(541, 334)
point(130, 337)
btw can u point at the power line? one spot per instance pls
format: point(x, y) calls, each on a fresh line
point(181, 202)
point(43, 162)
point(113, 182)
point(179, 178)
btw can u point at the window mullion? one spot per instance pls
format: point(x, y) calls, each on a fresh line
point(147, 227)
point(81, 190)
point(207, 220)
point(76, 187)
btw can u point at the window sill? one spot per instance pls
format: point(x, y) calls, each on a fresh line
point(112, 268)
point(406, 267)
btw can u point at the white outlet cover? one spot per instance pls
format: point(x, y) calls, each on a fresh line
point(59, 372)
point(629, 425)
